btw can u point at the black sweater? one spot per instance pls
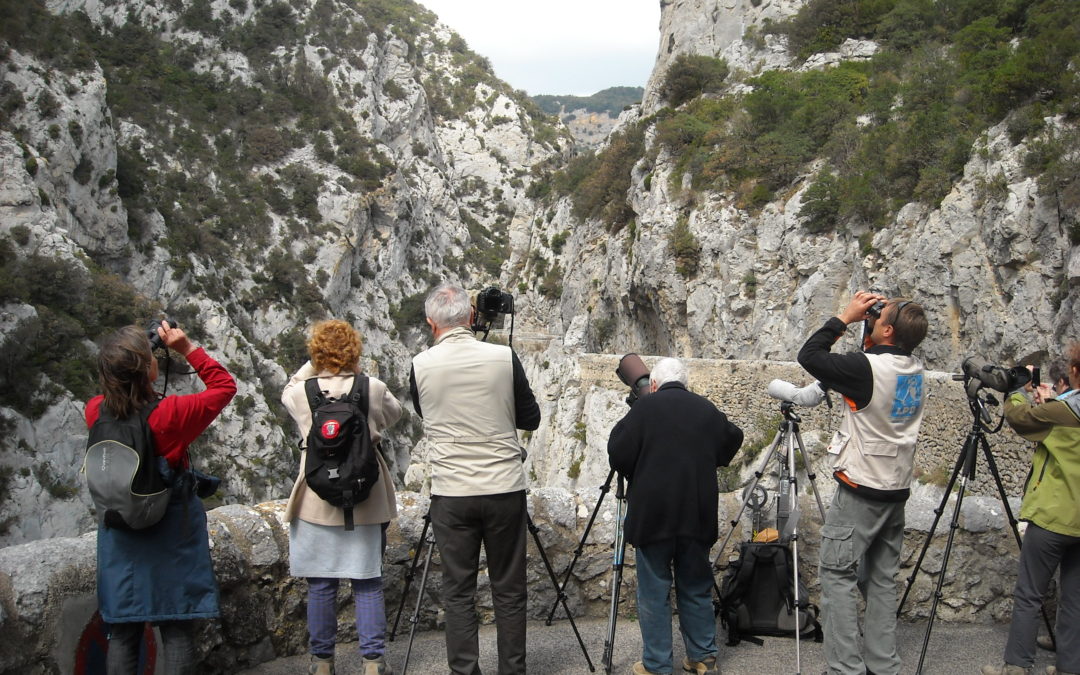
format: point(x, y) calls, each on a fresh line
point(668, 447)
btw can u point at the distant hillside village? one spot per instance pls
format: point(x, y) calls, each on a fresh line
point(591, 118)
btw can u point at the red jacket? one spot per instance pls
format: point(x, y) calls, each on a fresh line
point(178, 420)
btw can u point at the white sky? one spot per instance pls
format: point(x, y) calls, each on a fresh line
point(559, 46)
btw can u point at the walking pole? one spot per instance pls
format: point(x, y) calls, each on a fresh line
point(616, 573)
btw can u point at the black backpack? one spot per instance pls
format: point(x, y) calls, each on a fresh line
point(756, 596)
point(123, 471)
point(342, 465)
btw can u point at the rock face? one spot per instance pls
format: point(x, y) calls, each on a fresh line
point(452, 144)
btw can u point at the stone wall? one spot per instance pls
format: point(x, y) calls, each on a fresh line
point(47, 587)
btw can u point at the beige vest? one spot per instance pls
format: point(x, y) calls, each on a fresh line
point(875, 446)
point(466, 391)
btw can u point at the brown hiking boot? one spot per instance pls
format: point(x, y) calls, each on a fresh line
point(321, 665)
point(706, 667)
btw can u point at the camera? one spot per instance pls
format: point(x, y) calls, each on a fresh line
point(489, 304)
point(492, 301)
point(998, 378)
point(152, 335)
point(635, 374)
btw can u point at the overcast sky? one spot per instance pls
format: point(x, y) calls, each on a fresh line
point(559, 46)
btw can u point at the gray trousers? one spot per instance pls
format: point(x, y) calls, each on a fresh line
point(860, 552)
point(1043, 551)
point(460, 525)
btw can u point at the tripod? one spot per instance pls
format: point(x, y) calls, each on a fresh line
point(427, 537)
point(965, 468)
point(783, 449)
point(616, 569)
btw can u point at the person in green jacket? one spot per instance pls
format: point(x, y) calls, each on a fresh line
point(1051, 507)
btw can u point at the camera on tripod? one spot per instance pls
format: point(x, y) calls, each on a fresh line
point(152, 333)
point(999, 378)
point(489, 304)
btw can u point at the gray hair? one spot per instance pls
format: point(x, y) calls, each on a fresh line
point(448, 306)
point(669, 370)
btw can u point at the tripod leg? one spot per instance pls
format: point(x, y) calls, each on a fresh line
point(415, 619)
point(616, 581)
point(768, 455)
point(410, 574)
point(580, 547)
point(1012, 521)
point(933, 528)
point(810, 475)
point(561, 596)
point(794, 494)
point(953, 526)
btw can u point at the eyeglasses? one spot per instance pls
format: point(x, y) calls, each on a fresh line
point(899, 307)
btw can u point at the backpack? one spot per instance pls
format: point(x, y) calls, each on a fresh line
point(342, 465)
point(756, 596)
point(123, 471)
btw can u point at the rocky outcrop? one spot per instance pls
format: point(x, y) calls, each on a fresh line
point(456, 172)
point(47, 601)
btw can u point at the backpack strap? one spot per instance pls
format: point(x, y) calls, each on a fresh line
point(360, 391)
point(315, 396)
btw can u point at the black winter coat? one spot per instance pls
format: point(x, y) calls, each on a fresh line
point(668, 447)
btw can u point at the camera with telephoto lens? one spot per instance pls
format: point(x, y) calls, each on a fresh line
point(998, 378)
point(152, 335)
point(635, 374)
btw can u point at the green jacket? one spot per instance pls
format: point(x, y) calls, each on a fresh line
point(1052, 493)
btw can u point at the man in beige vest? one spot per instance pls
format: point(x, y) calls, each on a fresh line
point(473, 396)
point(872, 457)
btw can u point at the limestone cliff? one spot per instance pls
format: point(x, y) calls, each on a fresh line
point(250, 166)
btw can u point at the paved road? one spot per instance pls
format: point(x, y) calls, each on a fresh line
point(954, 648)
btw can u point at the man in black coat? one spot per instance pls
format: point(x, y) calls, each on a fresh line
point(668, 447)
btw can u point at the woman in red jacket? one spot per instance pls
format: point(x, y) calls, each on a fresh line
point(162, 574)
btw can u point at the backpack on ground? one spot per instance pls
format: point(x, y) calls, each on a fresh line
point(342, 464)
point(756, 596)
point(123, 471)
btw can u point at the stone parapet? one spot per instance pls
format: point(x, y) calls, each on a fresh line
point(47, 598)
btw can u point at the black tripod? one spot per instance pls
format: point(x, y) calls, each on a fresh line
point(428, 538)
point(965, 468)
point(604, 489)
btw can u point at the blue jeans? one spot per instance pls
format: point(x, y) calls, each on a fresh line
point(370, 615)
point(693, 595)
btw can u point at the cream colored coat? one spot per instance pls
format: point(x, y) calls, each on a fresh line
point(383, 411)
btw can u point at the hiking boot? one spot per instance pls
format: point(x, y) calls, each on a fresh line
point(1046, 643)
point(376, 666)
point(706, 667)
point(1052, 670)
point(1006, 669)
point(639, 669)
point(321, 665)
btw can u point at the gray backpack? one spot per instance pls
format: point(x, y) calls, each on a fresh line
point(123, 471)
